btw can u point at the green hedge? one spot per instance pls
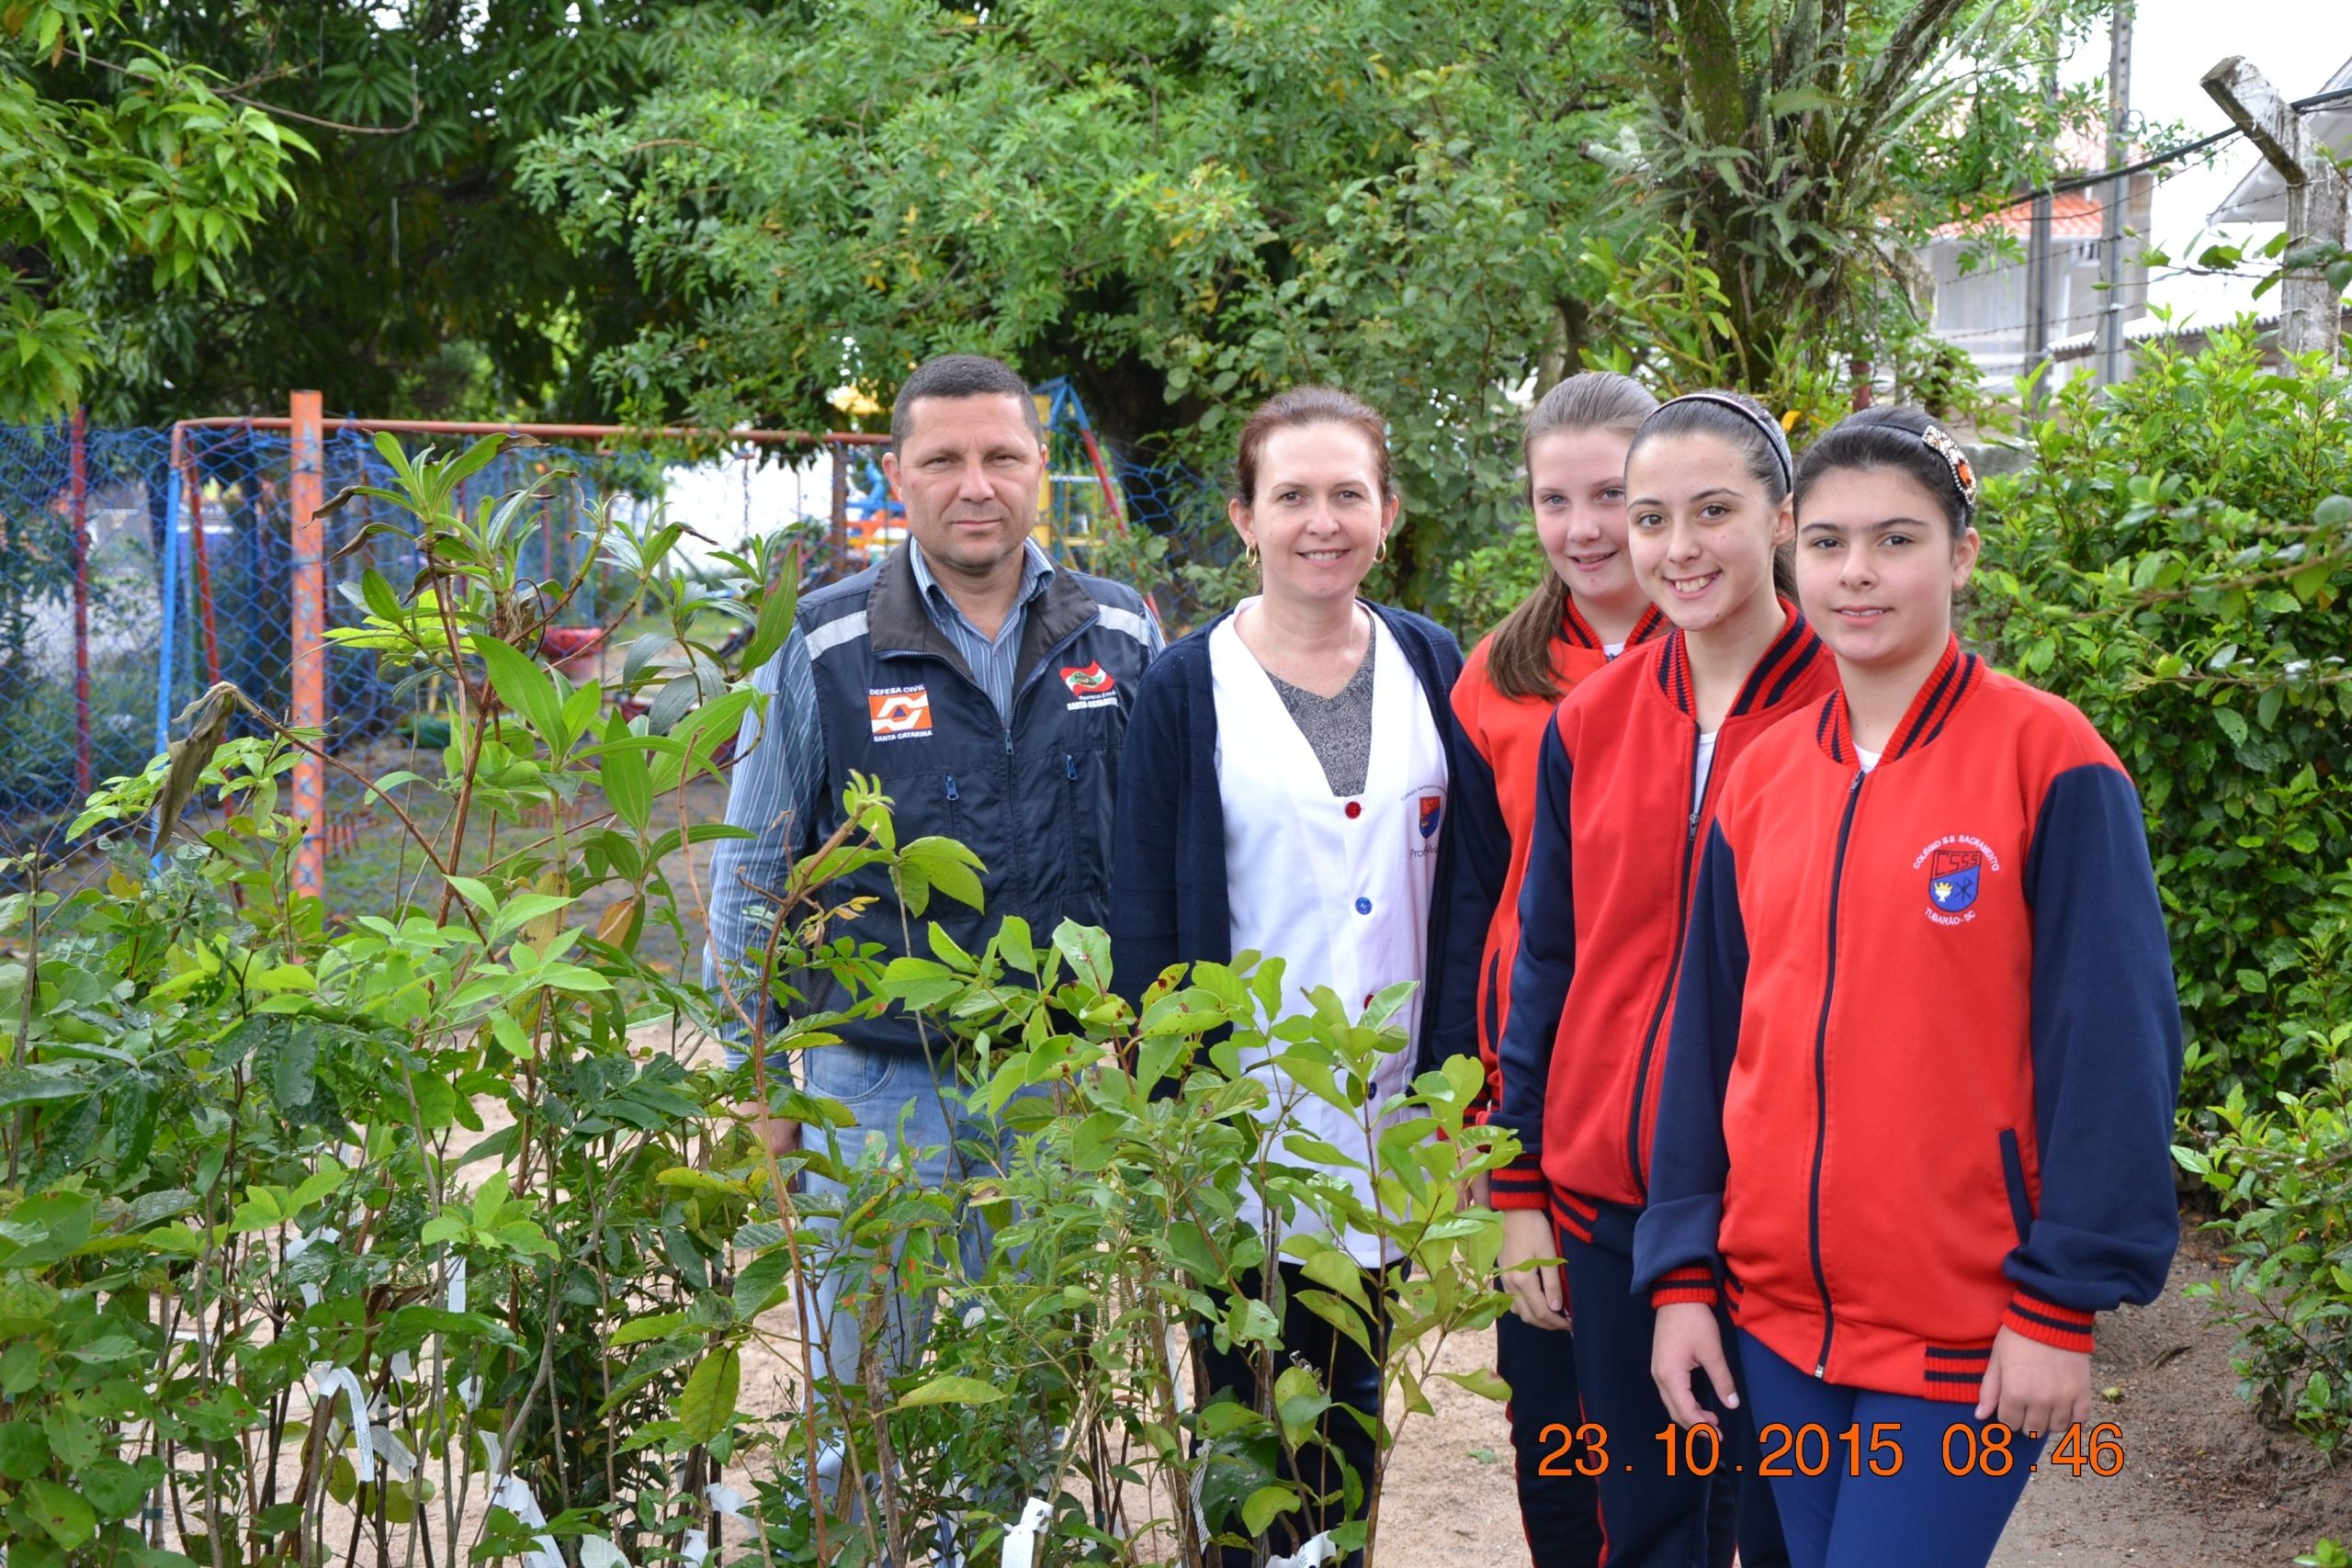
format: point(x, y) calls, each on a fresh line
point(2176, 559)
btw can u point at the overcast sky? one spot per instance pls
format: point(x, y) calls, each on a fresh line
point(2297, 43)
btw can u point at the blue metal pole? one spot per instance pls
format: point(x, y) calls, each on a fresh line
point(174, 541)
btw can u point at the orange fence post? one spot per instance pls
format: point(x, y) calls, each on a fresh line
point(78, 499)
point(309, 641)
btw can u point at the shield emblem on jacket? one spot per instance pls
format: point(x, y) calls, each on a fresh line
point(1952, 879)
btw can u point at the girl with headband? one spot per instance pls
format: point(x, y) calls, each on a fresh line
point(1918, 1112)
point(1628, 779)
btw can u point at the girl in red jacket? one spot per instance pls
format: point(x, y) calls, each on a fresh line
point(1627, 781)
point(1919, 1105)
point(1588, 609)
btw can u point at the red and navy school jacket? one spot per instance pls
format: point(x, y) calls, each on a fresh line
point(1612, 852)
point(1921, 1079)
point(1508, 734)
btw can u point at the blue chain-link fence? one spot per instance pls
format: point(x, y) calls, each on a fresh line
point(124, 594)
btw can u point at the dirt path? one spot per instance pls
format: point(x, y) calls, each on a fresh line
point(2203, 1482)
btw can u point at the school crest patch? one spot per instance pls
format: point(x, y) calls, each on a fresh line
point(1956, 868)
point(1952, 879)
point(1432, 813)
point(899, 713)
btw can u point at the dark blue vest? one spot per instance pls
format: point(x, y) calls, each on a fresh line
point(1032, 800)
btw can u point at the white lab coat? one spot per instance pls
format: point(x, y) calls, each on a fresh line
point(1338, 887)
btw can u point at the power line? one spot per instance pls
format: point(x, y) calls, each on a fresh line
point(2158, 160)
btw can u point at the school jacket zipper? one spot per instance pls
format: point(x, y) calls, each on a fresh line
point(1673, 969)
point(1821, 1075)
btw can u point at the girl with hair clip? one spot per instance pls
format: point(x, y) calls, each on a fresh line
point(1588, 609)
point(1917, 1136)
point(1627, 781)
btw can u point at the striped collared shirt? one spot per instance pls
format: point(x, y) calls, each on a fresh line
point(992, 661)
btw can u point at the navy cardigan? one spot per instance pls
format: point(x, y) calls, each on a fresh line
point(1168, 888)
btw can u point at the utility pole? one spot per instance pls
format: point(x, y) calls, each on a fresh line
point(2316, 200)
point(2037, 251)
point(2118, 153)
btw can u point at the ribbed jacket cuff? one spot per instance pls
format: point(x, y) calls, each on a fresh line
point(2043, 1320)
point(1519, 1186)
point(1695, 1284)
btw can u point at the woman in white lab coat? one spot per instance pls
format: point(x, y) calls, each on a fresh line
point(1287, 786)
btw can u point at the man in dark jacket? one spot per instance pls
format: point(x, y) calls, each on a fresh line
point(987, 690)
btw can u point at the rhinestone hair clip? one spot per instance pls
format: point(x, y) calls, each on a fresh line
point(1963, 475)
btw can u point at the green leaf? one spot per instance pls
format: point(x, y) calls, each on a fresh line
point(762, 1282)
point(625, 776)
point(774, 625)
point(526, 688)
point(115, 1489)
point(1265, 1505)
point(59, 1512)
point(29, 1085)
point(656, 1325)
point(708, 1402)
point(24, 1449)
point(951, 1389)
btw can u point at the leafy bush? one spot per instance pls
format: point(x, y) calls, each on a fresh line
point(2284, 1177)
point(402, 1232)
point(2176, 560)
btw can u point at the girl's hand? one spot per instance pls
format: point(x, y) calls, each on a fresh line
point(1686, 1340)
point(1537, 1295)
point(1479, 1194)
point(2032, 1387)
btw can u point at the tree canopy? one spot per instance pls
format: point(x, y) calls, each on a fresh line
point(147, 160)
point(400, 273)
point(1184, 205)
point(1188, 204)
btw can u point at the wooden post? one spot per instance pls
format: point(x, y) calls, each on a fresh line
point(78, 500)
point(2316, 200)
point(309, 652)
point(2118, 190)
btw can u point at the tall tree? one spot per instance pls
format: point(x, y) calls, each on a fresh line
point(142, 155)
point(404, 277)
point(1183, 203)
point(1802, 143)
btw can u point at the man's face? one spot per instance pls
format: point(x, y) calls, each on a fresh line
point(968, 473)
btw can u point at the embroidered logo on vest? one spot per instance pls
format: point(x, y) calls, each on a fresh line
point(1091, 685)
point(1956, 865)
point(899, 712)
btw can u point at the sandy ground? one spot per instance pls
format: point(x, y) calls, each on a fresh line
point(2203, 1482)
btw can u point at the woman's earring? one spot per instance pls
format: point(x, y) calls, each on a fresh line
point(1249, 554)
point(1380, 550)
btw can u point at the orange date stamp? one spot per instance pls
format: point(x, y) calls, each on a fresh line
point(1812, 1450)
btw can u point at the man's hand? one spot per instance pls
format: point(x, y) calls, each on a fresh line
point(1687, 1339)
point(782, 1137)
point(2032, 1387)
point(1538, 1297)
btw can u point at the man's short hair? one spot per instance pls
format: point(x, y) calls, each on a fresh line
point(961, 375)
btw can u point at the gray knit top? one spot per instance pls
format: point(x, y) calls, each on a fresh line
point(1338, 727)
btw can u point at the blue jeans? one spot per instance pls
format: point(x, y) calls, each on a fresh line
point(1922, 1516)
point(903, 1111)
